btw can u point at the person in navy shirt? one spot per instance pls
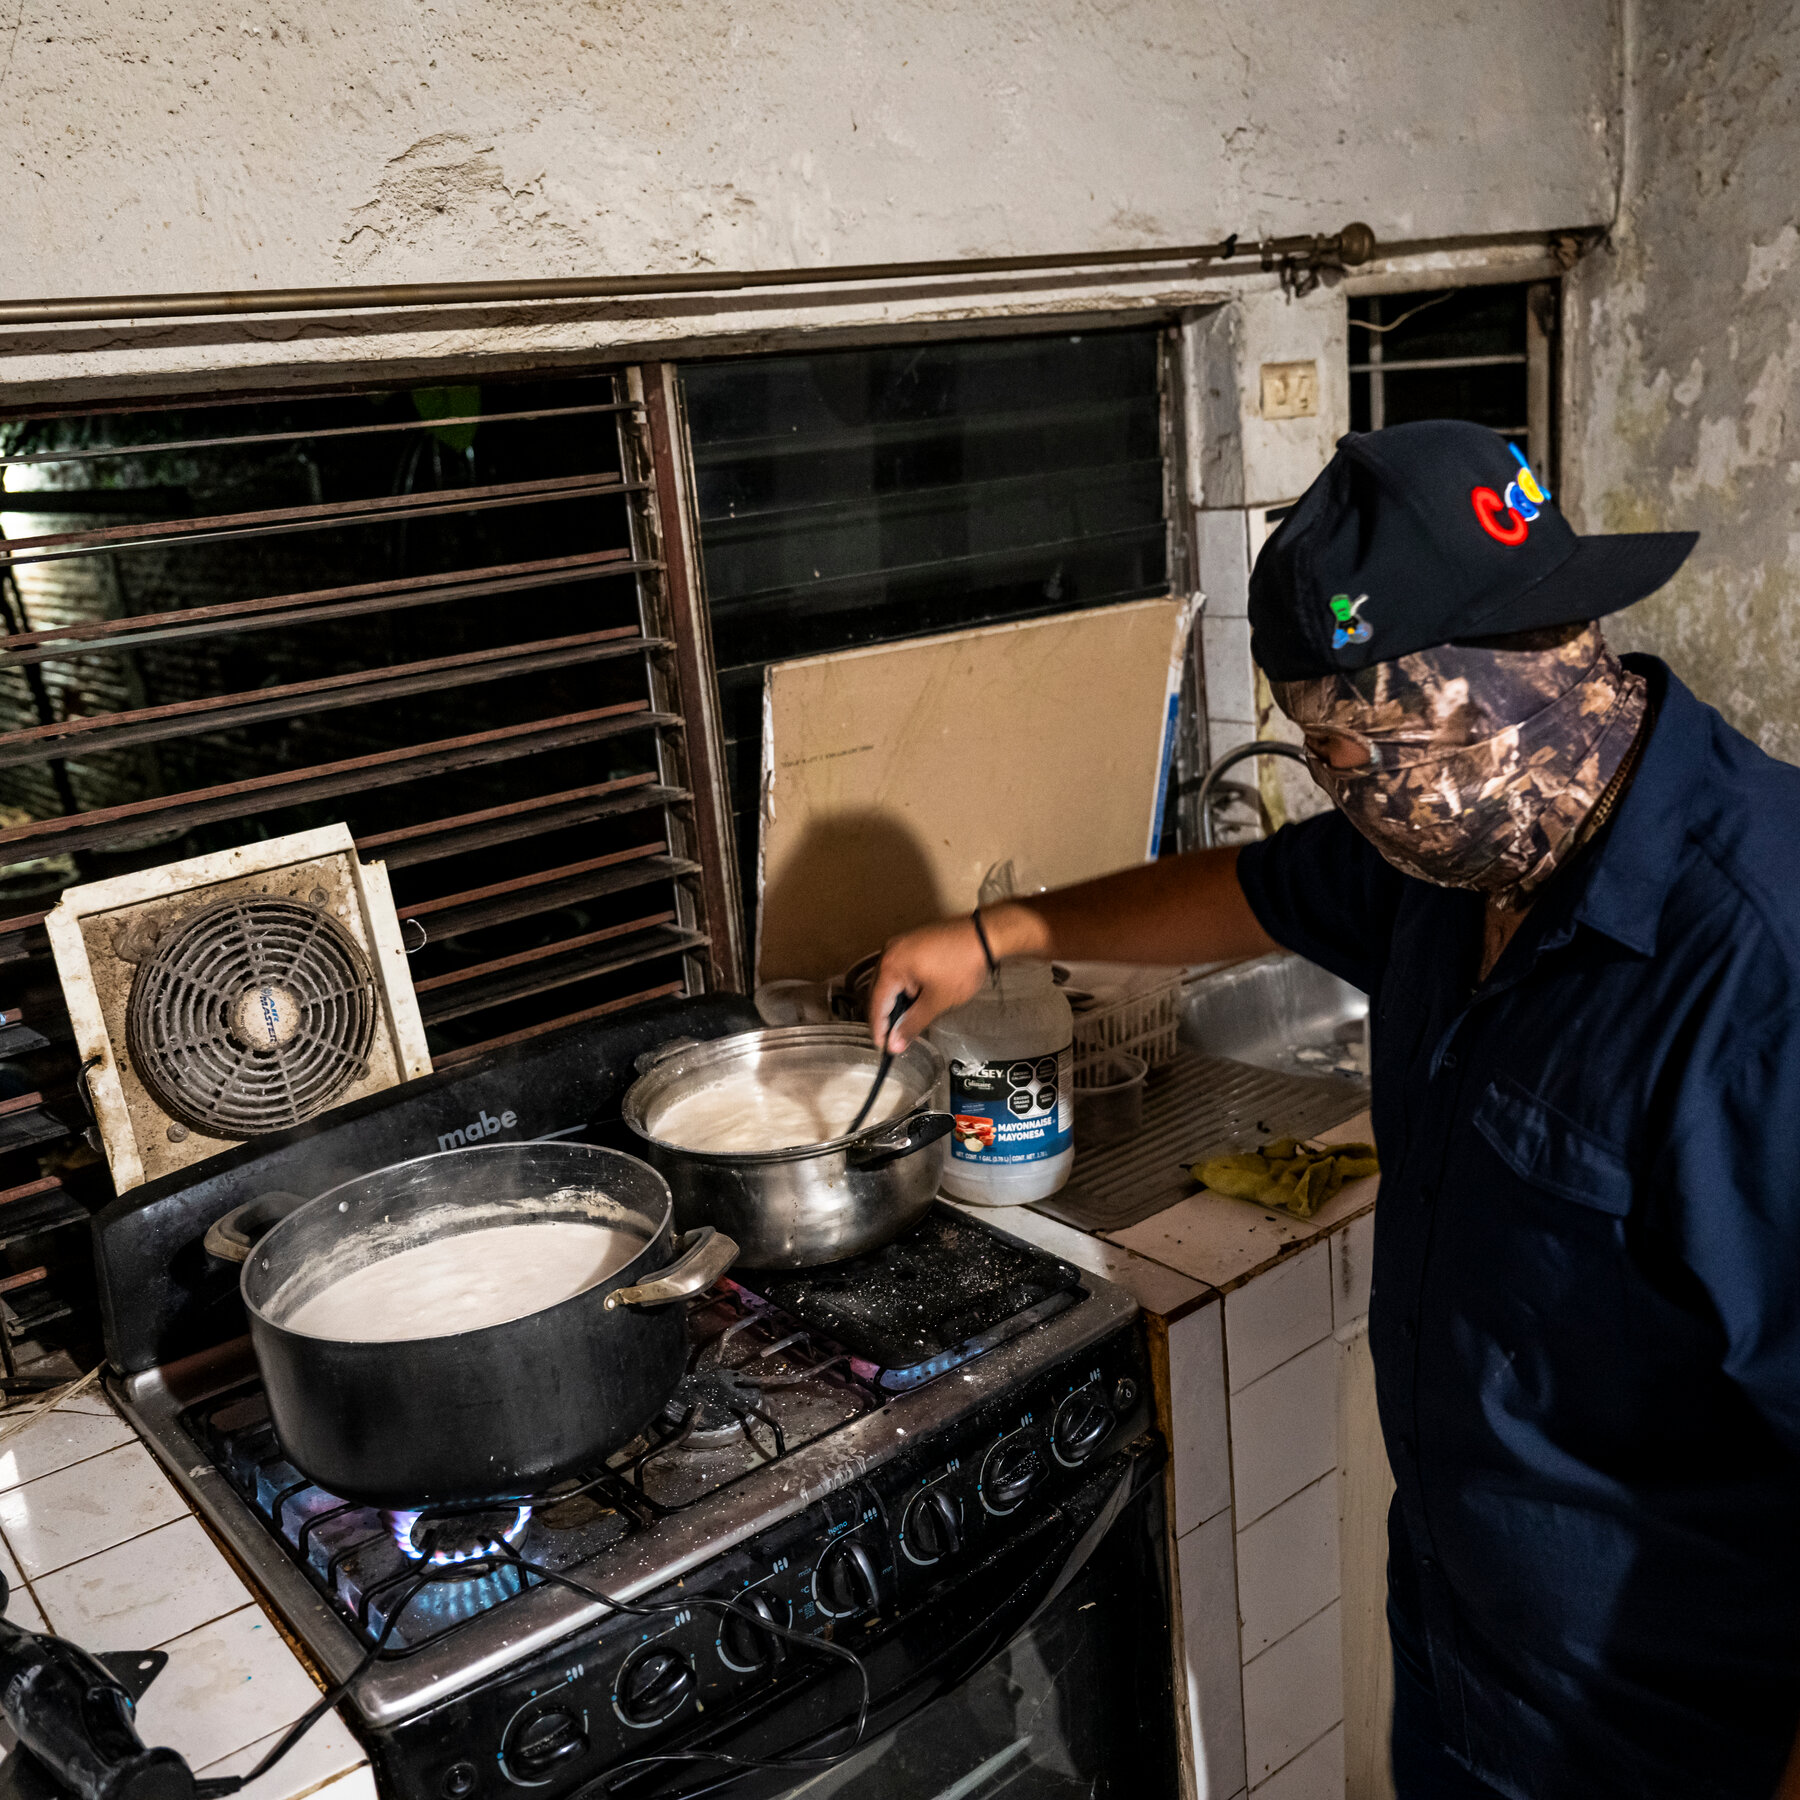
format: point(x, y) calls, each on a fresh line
point(1572, 894)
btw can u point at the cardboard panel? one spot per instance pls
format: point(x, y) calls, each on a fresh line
point(895, 777)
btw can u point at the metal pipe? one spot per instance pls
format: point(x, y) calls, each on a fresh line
point(1230, 760)
point(1354, 245)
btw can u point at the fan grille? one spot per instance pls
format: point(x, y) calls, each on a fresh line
point(250, 1016)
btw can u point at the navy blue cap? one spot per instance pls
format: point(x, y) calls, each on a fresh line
point(1427, 533)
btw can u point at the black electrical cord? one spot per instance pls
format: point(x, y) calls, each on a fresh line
point(731, 1607)
point(215, 1787)
point(219, 1787)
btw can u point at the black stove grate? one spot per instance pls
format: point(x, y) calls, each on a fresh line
point(770, 1367)
point(945, 1292)
point(758, 1384)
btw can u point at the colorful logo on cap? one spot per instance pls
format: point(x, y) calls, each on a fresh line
point(1508, 520)
point(1350, 629)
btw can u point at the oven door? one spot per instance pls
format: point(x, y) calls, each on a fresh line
point(1045, 1674)
point(1078, 1703)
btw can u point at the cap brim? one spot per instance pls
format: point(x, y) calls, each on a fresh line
point(1605, 575)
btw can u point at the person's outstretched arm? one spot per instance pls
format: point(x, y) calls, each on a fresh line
point(1183, 909)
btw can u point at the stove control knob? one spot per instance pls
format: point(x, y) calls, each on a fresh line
point(743, 1644)
point(1080, 1427)
point(1013, 1468)
point(652, 1686)
point(932, 1528)
point(541, 1740)
point(845, 1582)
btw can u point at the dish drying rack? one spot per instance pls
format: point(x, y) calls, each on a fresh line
point(1133, 1011)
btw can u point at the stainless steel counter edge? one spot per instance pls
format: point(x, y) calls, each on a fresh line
point(393, 1691)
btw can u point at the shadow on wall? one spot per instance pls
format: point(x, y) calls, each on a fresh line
point(851, 882)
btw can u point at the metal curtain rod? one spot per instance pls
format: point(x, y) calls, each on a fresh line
point(1353, 245)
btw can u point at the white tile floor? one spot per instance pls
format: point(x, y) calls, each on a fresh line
point(98, 1546)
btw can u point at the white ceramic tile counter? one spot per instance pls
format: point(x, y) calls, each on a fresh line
point(1279, 1482)
point(1226, 1242)
point(100, 1548)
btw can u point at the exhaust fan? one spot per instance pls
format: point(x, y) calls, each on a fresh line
point(234, 995)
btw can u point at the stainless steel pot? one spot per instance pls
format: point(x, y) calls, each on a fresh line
point(819, 1203)
point(500, 1412)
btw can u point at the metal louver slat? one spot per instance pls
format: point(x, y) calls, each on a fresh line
point(157, 724)
point(485, 678)
point(331, 781)
point(249, 440)
point(333, 603)
point(55, 547)
point(528, 818)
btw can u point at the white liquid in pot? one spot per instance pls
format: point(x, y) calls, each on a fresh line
point(465, 1283)
point(774, 1109)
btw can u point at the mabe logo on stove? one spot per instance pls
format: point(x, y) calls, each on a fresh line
point(477, 1129)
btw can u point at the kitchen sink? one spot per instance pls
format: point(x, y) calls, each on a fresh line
point(1270, 1048)
point(1278, 1012)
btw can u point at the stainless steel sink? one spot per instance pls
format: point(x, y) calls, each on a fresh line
point(1278, 1012)
point(1263, 1044)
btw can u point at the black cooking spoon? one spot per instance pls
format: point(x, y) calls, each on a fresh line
point(902, 1001)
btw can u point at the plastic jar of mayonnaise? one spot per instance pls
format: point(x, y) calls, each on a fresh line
point(1011, 1053)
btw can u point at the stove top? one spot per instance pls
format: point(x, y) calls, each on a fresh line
point(759, 1385)
point(859, 1444)
point(762, 1381)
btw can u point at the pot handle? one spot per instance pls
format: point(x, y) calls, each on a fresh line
point(701, 1257)
point(915, 1132)
point(231, 1236)
point(647, 1060)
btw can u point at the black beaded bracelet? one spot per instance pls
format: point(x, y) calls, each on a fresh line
point(987, 949)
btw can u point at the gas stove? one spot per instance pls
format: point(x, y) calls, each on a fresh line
point(902, 1455)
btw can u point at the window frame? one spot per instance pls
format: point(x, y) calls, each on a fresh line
point(1539, 359)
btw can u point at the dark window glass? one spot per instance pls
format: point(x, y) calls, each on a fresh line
point(1472, 343)
point(861, 496)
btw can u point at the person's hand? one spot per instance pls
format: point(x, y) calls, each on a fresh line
point(944, 965)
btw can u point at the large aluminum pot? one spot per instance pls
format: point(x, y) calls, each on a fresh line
point(819, 1203)
point(478, 1416)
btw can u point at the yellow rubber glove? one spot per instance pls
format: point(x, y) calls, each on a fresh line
point(1287, 1174)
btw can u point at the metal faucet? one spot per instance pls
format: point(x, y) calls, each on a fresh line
point(1230, 760)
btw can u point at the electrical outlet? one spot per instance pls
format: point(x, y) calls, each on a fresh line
point(1290, 390)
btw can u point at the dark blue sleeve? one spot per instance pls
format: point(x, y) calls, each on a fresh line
point(1737, 1208)
point(1321, 888)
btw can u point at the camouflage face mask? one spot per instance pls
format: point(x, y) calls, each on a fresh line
point(1474, 765)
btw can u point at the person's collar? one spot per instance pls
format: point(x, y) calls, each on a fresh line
point(1631, 867)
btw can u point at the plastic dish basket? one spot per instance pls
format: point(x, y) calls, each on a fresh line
point(1136, 1010)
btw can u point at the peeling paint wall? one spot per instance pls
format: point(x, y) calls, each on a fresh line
point(173, 145)
point(1684, 389)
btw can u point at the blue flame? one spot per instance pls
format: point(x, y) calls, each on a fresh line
point(402, 1523)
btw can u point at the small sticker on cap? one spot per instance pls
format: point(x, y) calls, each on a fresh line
point(1496, 518)
point(1507, 519)
point(1350, 629)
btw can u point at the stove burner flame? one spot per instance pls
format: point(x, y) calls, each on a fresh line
point(452, 1538)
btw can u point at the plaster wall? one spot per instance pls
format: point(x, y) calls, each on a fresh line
point(1685, 337)
point(179, 145)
